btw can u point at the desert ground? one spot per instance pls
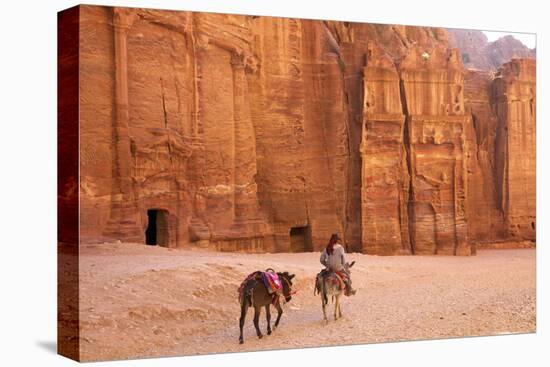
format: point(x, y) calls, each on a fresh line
point(141, 301)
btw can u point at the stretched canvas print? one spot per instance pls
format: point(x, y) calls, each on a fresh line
point(234, 183)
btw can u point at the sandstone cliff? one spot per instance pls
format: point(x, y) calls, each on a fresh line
point(478, 53)
point(247, 133)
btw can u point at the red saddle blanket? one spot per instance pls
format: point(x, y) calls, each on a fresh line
point(270, 279)
point(342, 276)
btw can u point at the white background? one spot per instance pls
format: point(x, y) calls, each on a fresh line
point(28, 182)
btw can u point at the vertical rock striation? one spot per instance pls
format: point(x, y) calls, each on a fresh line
point(433, 90)
point(485, 216)
point(244, 133)
point(385, 174)
point(515, 105)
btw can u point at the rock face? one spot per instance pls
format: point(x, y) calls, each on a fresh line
point(515, 105)
point(245, 133)
point(478, 53)
point(505, 49)
point(472, 45)
point(485, 217)
point(433, 87)
point(503, 154)
point(385, 171)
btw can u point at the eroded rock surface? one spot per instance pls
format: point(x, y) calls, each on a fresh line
point(246, 133)
point(515, 105)
point(478, 53)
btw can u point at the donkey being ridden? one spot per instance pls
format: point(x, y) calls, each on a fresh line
point(330, 283)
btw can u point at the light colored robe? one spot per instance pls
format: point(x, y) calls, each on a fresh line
point(336, 261)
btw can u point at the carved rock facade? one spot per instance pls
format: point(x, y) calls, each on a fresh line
point(245, 133)
point(385, 167)
point(514, 102)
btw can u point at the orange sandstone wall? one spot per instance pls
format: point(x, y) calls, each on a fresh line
point(485, 215)
point(515, 106)
point(269, 134)
point(385, 163)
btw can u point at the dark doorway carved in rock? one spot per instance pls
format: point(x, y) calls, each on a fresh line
point(300, 239)
point(157, 227)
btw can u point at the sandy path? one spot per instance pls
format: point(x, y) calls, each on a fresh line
point(140, 301)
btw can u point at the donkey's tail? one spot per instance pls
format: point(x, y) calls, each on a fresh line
point(246, 292)
point(316, 288)
point(246, 299)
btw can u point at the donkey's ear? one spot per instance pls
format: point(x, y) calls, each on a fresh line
point(291, 276)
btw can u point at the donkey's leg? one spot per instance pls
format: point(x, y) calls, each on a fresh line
point(257, 311)
point(279, 314)
point(244, 309)
point(336, 305)
point(339, 307)
point(268, 318)
point(323, 296)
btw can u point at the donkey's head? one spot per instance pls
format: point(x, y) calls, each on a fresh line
point(347, 266)
point(287, 284)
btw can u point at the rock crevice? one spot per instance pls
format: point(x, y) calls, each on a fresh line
point(270, 134)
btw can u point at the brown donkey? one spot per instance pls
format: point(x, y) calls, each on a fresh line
point(255, 294)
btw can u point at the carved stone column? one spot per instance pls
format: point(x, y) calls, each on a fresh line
point(246, 199)
point(249, 230)
point(123, 222)
point(233, 221)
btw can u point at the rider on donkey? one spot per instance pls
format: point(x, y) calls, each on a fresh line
point(333, 259)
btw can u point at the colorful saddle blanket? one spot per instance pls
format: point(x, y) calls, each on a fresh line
point(272, 281)
point(342, 276)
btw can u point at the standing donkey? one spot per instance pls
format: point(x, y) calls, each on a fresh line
point(253, 293)
point(331, 284)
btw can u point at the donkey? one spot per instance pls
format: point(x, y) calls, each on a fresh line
point(255, 294)
point(331, 285)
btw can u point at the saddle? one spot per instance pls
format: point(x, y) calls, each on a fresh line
point(341, 275)
point(272, 281)
point(269, 278)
